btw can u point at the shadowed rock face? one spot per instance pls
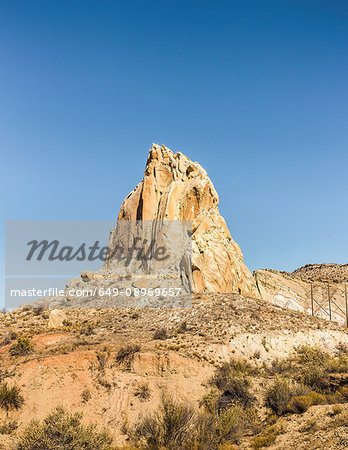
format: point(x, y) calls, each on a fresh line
point(175, 188)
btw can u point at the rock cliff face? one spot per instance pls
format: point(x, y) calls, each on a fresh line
point(290, 290)
point(175, 188)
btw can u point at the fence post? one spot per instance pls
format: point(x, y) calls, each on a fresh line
point(328, 293)
point(312, 299)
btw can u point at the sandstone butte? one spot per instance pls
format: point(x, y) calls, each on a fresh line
point(175, 188)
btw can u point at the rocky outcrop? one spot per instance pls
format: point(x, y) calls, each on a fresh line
point(295, 292)
point(332, 273)
point(175, 188)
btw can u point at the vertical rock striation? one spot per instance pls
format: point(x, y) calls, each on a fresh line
point(175, 188)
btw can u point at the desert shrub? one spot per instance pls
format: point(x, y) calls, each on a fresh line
point(339, 364)
point(317, 365)
point(298, 389)
point(170, 427)
point(102, 358)
point(21, 347)
point(182, 327)
point(104, 383)
point(307, 354)
point(343, 391)
point(316, 398)
point(161, 334)
point(237, 390)
point(223, 428)
point(86, 395)
point(340, 396)
point(247, 418)
point(280, 366)
point(336, 409)
point(311, 366)
point(342, 348)
point(126, 354)
point(314, 376)
point(278, 395)
point(38, 310)
point(8, 337)
point(300, 404)
point(264, 441)
point(10, 397)
point(251, 420)
point(87, 328)
point(210, 401)
point(62, 430)
point(143, 391)
point(232, 379)
point(230, 424)
point(8, 427)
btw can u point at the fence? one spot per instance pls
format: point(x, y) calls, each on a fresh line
point(330, 303)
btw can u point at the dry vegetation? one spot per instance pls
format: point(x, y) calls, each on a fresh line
point(227, 373)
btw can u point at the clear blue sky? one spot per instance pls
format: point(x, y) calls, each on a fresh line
point(256, 91)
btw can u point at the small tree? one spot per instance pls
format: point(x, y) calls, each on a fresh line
point(10, 398)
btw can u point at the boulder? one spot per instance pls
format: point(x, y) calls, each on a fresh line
point(56, 318)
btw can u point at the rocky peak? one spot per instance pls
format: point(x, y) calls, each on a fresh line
point(175, 188)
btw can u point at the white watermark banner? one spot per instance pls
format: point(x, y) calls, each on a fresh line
point(97, 264)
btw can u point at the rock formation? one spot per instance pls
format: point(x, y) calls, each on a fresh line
point(296, 290)
point(175, 188)
point(332, 273)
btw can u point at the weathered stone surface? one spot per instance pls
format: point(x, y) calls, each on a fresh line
point(175, 188)
point(56, 318)
point(291, 291)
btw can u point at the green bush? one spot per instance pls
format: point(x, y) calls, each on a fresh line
point(175, 425)
point(307, 354)
point(21, 347)
point(264, 441)
point(340, 396)
point(62, 430)
point(230, 424)
point(314, 375)
point(278, 395)
point(171, 426)
point(232, 378)
point(317, 399)
point(10, 398)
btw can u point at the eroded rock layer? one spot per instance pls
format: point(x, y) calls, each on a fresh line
point(322, 298)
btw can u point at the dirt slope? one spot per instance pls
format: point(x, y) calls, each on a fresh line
point(81, 357)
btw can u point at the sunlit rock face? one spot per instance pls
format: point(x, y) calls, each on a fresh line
point(175, 188)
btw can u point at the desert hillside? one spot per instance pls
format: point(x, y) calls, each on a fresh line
point(333, 273)
point(223, 354)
